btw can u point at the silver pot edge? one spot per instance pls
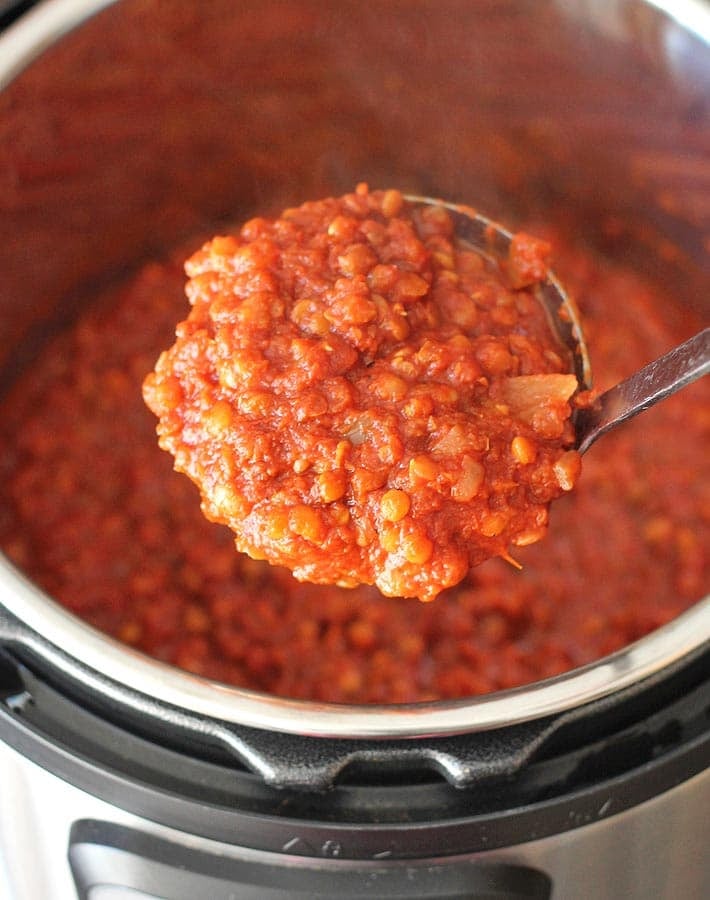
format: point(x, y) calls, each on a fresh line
point(44, 618)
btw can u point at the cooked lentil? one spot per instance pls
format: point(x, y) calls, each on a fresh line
point(91, 510)
point(333, 354)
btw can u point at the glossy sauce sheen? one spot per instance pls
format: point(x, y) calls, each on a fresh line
point(92, 510)
point(363, 400)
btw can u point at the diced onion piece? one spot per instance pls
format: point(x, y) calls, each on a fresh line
point(527, 395)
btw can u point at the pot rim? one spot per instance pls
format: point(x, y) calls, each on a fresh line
point(25, 40)
point(676, 640)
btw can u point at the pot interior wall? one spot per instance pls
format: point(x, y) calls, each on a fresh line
point(156, 121)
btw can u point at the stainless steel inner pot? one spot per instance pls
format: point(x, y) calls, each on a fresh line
point(125, 127)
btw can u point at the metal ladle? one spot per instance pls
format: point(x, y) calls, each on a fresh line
point(659, 379)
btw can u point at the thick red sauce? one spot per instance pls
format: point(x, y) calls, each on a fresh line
point(93, 512)
point(363, 399)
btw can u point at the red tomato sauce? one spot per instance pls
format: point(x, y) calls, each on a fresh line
point(364, 400)
point(91, 509)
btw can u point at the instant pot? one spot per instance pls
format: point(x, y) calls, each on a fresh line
point(121, 777)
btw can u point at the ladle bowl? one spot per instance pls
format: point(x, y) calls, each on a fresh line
point(661, 378)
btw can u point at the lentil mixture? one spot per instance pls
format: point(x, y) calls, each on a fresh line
point(362, 399)
point(91, 510)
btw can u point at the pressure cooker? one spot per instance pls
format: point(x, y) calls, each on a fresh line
point(123, 777)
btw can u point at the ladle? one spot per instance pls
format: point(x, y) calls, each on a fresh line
point(659, 379)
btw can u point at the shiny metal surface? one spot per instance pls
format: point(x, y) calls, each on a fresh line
point(40, 27)
point(645, 161)
point(692, 14)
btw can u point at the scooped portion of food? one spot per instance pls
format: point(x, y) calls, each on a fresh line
point(362, 400)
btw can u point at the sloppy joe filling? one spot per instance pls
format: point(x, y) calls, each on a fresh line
point(92, 511)
point(364, 400)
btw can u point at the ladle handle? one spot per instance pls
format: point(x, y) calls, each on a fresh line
point(656, 381)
